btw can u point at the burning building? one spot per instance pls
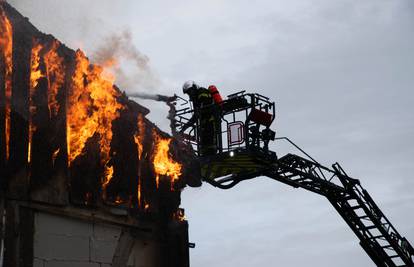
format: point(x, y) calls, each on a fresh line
point(86, 179)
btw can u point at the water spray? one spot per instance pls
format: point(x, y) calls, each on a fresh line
point(161, 98)
point(169, 100)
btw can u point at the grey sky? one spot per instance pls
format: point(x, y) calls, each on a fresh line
point(342, 75)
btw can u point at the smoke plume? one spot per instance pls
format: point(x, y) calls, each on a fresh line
point(131, 67)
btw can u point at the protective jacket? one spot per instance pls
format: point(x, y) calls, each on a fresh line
point(202, 98)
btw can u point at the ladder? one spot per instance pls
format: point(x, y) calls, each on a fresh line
point(378, 237)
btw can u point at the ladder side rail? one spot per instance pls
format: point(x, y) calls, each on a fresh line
point(377, 236)
point(304, 169)
point(399, 245)
point(313, 187)
point(312, 170)
point(371, 245)
point(379, 257)
point(337, 196)
point(377, 217)
point(319, 186)
point(373, 236)
point(309, 180)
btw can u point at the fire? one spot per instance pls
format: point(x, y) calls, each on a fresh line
point(35, 75)
point(139, 136)
point(6, 47)
point(109, 173)
point(163, 163)
point(54, 156)
point(179, 215)
point(119, 200)
point(55, 71)
point(139, 193)
point(88, 198)
point(139, 140)
point(92, 107)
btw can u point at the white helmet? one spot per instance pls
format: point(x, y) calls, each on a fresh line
point(188, 85)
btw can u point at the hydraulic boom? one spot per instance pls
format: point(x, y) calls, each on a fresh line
point(243, 153)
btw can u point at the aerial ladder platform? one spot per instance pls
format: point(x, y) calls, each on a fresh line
point(242, 126)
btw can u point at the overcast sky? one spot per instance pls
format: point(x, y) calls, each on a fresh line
point(342, 76)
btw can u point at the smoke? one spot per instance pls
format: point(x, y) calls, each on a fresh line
point(131, 67)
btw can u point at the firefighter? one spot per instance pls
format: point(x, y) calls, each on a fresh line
point(205, 114)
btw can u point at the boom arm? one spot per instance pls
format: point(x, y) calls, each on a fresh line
point(245, 154)
point(378, 237)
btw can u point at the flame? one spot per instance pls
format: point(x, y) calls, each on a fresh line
point(88, 198)
point(139, 193)
point(55, 71)
point(109, 173)
point(119, 200)
point(6, 47)
point(54, 156)
point(139, 140)
point(139, 136)
point(163, 163)
point(92, 107)
point(35, 75)
point(179, 215)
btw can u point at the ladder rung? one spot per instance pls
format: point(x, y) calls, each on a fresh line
point(394, 256)
point(370, 227)
point(349, 198)
point(377, 236)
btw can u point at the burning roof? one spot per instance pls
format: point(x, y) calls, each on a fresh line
point(68, 135)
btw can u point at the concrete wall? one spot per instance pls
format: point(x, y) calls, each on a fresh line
point(67, 242)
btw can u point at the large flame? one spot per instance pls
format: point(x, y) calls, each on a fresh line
point(164, 165)
point(139, 140)
point(55, 70)
point(35, 75)
point(6, 47)
point(92, 107)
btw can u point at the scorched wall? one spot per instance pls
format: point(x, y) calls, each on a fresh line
point(86, 179)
